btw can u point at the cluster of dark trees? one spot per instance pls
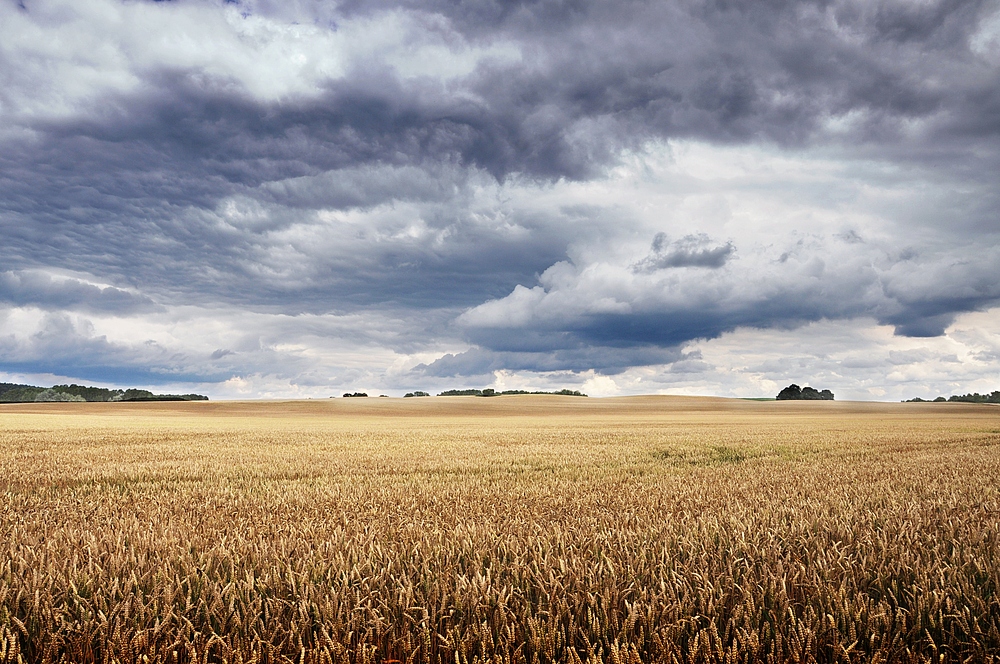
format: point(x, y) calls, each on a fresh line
point(794, 392)
point(15, 390)
point(490, 392)
point(15, 393)
point(975, 397)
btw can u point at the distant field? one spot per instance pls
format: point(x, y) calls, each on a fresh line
point(507, 530)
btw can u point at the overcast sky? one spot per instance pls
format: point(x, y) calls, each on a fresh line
point(302, 198)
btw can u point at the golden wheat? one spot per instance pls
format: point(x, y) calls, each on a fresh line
point(503, 531)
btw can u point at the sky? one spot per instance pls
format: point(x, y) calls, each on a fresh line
point(262, 199)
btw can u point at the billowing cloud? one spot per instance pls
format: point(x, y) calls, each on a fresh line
point(648, 303)
point(414, 191)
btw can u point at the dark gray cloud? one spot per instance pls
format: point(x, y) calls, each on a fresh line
point(689, 251)
point(610, 343)
point(38, 289)
point(580, 358)
point(361, 157)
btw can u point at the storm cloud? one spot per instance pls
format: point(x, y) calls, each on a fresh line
point(479, 187)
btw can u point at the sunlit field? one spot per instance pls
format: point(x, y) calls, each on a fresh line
point(503, 531)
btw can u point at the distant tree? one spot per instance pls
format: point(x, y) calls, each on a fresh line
point(133, 394)
point(416, 394)
point(791, 392)
point(7, 387)
point(810, 394)
point(355, 394)
point(21, 394)
point(145, 395)
point(24, 393)
point(974, 397)
point(88, 393)
point(794, 392)
point(490, 392)
point(53, 395)
point(564, 392)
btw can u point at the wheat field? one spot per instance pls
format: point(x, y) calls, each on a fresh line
point(500, 531)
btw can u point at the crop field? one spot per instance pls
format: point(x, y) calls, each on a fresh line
point(508, 530)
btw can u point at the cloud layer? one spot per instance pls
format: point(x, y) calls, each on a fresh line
point(301, 196)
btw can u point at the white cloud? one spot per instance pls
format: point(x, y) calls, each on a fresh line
point(600, 386)
point(801, 234)
point(73, 55)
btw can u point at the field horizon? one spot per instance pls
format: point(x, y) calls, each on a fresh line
point(486, 405)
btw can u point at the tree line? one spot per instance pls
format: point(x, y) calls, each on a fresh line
point(974, 397)
point(488, 392)
point(17, 393)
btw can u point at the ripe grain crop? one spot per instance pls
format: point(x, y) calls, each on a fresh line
point(503, 531)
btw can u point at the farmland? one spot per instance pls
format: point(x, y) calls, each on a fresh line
point(530, 529)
